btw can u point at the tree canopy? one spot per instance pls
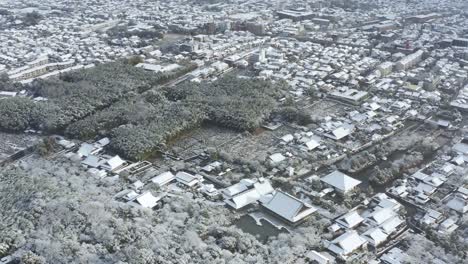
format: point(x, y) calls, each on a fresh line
point(76, 95)
point(54, 212)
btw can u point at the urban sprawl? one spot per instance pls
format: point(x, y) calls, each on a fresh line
point(234, 131)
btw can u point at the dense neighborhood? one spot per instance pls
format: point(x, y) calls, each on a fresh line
point(234, 131)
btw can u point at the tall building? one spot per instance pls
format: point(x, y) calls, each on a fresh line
point(460, 42)
point(409, 61)
point(257, 28)
point(295, 15)
point(281, 4)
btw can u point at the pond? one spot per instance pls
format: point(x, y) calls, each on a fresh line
point(365, 174)
point(262, 232)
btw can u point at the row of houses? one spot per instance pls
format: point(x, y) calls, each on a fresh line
point(247, 192)
point(372, 224)
point(259, 191)
point(137, 196)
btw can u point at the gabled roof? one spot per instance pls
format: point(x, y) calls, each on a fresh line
point(433, 214)
point(419, 176)
point(147, 200)
point(138, 184)
point(448, 224)
point(458, 204)
point(340, 133)
point(461, 148)
point(320, 257)
point(277, 158)
point(463, 190)
point(163, 178)
point(186, 178)
point(448, 168)
point(97, 172)
point(237, 188)
point(92, 161)
point(210, 167)
point(346, 243)
point(458, 160)
point(311, 144)
point(374, 106)
point(375, 236)
point(287, 138)
point(394, 256)
point(249, 193)
point(391, 224)
point(381, 215)
point(114, 162)
point(103, 142)
point(350, 219)
point(131, 195)
point(340, 181)
point(244, 199)
point(85, 149)
point(289, 207)
point(389, 203)
point(434, 180)
point(425, 188)
point(263, 187)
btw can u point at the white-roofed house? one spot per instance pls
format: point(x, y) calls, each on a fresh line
point(113, 163)
point(66, 143)
point(380, 215)
point(344, 245)
point(310, 145)
point(392, 225)
point(147, 200)
point(425, 188)
point(400, 191)
point(461, 148)
point(163, 178)
point(386, 202)
point(458, 160)
point(448, 226)
point(340, 181)
point(187, 179)
point(209, 190)
point(320, 257)
point(458, 204)
point(288, 207)
point(277, 158)
point(394, 256)
point(463, 192)
point(334, 228)
point(246, 192)
point(138, 185)
point(340, 132)
point(212, 166)
point(431, 217)
point(97, 173)
point(92, 161)
point(130, 195)
point(375, 236)
point(419, 176)
point(7, 94)
point(86, 149)
point(103, 142)
point(237, 188)
point(435, 180)
point(287, 138)
point(243, 199)
point(350, 219)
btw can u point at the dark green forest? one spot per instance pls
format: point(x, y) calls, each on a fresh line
point(135, 109)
